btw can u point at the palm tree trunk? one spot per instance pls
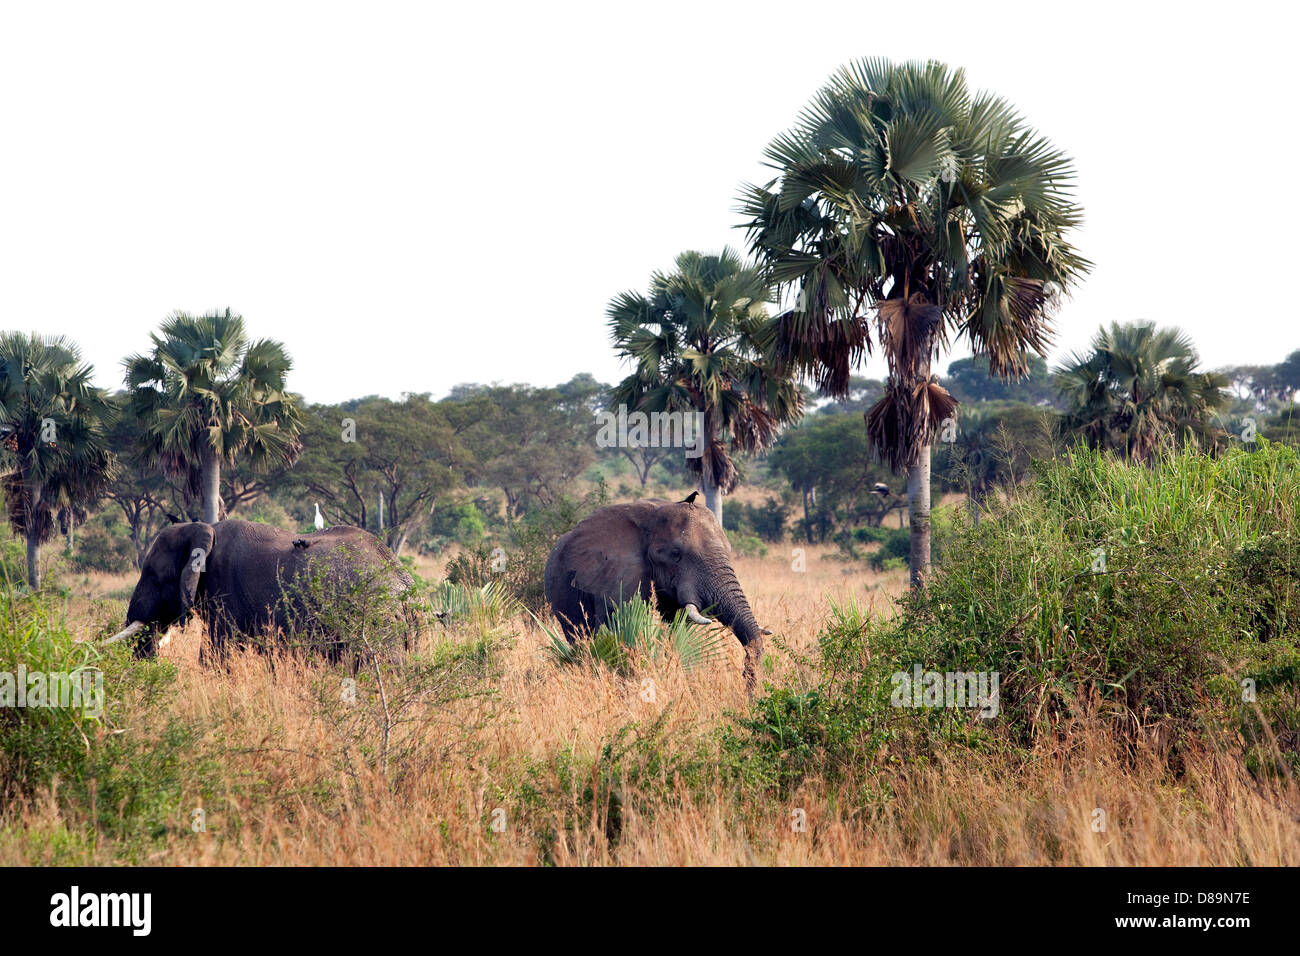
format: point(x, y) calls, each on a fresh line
point(211, 485)
point(33, 561)
point(918, 502)
point(712, 495)
point(712, 498)
point(65, 527)
point(34, 495)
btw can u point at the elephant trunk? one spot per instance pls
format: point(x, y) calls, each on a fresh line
point(732, 609)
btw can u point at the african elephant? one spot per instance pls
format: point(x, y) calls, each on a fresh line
point(245, 578)
point(622, 550)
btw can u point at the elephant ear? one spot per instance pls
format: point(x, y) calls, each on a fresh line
point(195, 553)
point(608, 555)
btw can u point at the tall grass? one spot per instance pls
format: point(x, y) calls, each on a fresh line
point(1158, 603)
point(1121, 692)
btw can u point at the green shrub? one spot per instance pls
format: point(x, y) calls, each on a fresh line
point(103, 544)
point(520, 566)
point(461, 523)
point(747, 545)
point(634, 629)
point(1145, 596)
point(118, 764)
point(266, 510)
point(766, 521)
point(13, 560)
point(1138, 588)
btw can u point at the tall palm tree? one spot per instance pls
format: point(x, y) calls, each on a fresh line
point(205, 395)
point(1139, 388)
point(908, 211)
point(702, 341)
point(53, 447)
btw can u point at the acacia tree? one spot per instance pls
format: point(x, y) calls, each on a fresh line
point(827, 459)
point(404, 454)
point(206, 395)
point(533, 444)
point(1138, 388)
point(55, 452)
point(701, 341)
point(907, 212)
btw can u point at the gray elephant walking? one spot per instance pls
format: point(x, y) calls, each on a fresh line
point(622, 550)
point(247, 578)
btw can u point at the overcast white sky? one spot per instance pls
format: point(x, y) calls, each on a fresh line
point(416, 195)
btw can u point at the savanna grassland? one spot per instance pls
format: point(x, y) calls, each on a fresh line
point(1120, 694)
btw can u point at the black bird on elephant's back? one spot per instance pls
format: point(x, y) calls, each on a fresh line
point(623, 550)
point(247, 578)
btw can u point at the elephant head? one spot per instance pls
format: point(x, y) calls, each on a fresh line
point(676, 546)
point(169, 583)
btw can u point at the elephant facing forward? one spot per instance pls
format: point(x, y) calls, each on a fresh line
point(246, 578)
point(622, 550)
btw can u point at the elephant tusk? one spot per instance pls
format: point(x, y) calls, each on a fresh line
point(765, 630)
point(695, 616)
point(132, 629)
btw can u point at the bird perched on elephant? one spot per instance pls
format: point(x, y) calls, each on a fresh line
point(246, 578)
point(676, 550)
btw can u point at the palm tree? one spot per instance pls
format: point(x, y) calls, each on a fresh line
point(907, 207)
point(54, 422)
point(701, 341)
point(1139, 388)
point(206, 395)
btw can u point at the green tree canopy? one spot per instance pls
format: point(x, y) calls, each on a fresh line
point(908, 210)
point(701, 341)
point(532, 443)
point(404, 454)
point(1140, 388)
point(828, 460)
point(54, 451)
point(207, 395)
point(970, 381)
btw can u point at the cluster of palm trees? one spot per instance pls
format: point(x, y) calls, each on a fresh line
point(1140, 389)
point(702, 340)
point(204, 394)
point(906, 212)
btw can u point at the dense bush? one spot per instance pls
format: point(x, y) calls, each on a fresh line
point(520, 566)
point(895, 545)
point(766, 521)
point(462, 523)
point(116, 756)
point(103, 544)
point(1159, 599)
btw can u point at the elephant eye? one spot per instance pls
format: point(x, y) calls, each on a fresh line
point(675, 554)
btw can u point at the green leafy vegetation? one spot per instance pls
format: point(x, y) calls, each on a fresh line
point(1158, 599)
point(635, 630)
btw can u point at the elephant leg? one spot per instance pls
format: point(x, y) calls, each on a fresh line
point(577, 614)
point(214, 650)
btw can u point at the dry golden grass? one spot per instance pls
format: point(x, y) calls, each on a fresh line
point(293, 789)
